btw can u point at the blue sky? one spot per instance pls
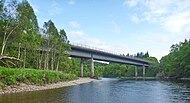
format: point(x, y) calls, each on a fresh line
point(121, 26)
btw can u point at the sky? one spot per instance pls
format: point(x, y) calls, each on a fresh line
point(119, 26)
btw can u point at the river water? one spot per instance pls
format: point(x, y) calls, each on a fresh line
point(108, 91)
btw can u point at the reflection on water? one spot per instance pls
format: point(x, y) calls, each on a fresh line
point(108, 91)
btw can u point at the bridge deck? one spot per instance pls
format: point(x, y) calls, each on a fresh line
point(84, 52)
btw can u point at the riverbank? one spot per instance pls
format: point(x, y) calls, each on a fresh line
point(138, 78)
point(24, 87)
point(174, 79)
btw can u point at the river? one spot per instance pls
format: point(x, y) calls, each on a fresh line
point(108, 91)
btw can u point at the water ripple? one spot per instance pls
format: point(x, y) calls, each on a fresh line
point(108, 91)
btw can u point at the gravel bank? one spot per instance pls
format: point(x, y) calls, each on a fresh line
point(24, 87)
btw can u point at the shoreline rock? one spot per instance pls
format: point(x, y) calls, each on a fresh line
point(24, 87)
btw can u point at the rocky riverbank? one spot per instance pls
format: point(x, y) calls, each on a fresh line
point(25, 87)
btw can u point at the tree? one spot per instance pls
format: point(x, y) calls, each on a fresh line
point(50, 37)
point(28, 29)
point(21, 39)
point(62, 45)
point(176, 63)
point(9, 29)
point(55, 44)
point(8, 21)
point(146, 55)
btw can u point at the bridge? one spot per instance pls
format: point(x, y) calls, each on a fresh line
point(86, 52)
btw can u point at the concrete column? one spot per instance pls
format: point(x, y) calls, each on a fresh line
point(136, 72)
point(143, 71)
point(92, 67)
point(81, 67)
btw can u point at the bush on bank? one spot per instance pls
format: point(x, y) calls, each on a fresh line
point(15, 76)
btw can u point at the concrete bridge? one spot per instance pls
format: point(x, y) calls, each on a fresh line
point(85, 52)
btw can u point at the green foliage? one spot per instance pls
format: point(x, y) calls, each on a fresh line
point(115, 70)
point(22, 38)
point(176, 63)
point(12, 76)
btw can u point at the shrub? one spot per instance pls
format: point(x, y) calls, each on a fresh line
point(12, 76)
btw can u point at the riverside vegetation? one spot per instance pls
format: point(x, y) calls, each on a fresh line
point(10, 76)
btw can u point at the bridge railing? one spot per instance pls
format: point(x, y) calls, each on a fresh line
point(103, 50)
point(94, 48)
point(98, 49)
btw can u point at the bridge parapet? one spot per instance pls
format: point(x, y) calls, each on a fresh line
point(94, 48)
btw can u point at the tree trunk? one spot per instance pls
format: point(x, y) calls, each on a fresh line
point(52, 60)
point(57, 67)
point(19, 50)
point(24, 65)
point(10, 58)
point(46, 63)
point(45, 59)
point(3, 46)
point(40, 60)
point(37, 56)
point(6, 37)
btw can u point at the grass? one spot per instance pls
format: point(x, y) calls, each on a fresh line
point(15, 76)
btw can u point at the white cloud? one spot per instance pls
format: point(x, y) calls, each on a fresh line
point(75, 34)
point(71, 2)
point(74, 24)
point(55, 9)
point(177, 22)
point(172, 15)
point(116, 27)
point(135, 19)
point(130, 3)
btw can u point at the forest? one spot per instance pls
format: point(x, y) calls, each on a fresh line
point(23, 41)
point(26, 45)
point(177, 62)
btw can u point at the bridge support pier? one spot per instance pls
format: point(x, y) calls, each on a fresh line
point(144, 71)
point(92, 67)
point(81, 67)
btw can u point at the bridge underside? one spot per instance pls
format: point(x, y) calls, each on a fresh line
point(113, 61)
